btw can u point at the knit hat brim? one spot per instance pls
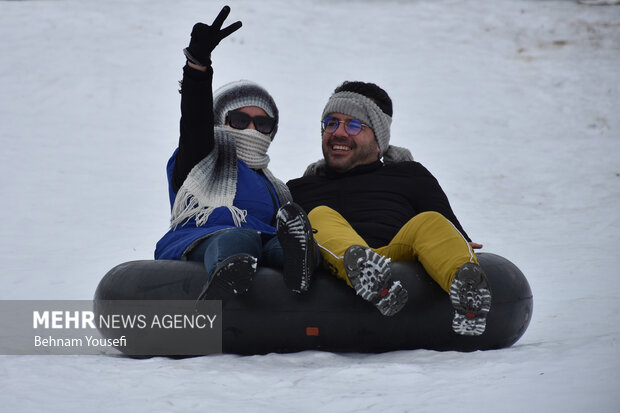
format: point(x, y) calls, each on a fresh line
point(241, 93)
point(364, 109)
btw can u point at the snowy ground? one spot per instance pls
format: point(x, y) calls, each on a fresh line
point(513, 105)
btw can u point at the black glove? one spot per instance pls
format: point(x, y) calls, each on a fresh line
point(205, 38)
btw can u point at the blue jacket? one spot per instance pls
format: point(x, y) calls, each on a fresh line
point(253, 195)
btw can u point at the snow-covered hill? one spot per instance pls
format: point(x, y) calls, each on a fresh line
point(513, 105)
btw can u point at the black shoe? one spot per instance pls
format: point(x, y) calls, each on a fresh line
point(298, 245)
point(371, 277)
point(231, 277)
point(471, 299)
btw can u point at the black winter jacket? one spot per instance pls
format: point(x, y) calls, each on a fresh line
point(376, 199)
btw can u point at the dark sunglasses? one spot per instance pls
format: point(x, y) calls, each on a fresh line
point(351, 126)
point(241, 120)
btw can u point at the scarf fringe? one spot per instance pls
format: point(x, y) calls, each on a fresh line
point(212, 183)
point(238, 215)
point(201, 213)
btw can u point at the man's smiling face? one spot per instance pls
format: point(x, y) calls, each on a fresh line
point(343, 152)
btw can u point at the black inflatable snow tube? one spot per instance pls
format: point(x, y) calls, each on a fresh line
point(270, 318)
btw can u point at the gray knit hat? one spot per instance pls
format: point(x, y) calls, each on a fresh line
point(364, 109)
point(235, 95)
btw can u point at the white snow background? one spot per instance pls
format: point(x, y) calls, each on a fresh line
point(513, 105)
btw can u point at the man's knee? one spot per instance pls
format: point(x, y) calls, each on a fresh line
point(325, 217)
point(426, 218)
point(429, 215)
point(322, 210)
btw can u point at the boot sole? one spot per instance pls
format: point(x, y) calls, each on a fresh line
point(371, 277)
point(232, 276)
point(295, 236)
point(471, 298)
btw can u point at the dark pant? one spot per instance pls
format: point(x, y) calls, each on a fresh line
point(222, 244)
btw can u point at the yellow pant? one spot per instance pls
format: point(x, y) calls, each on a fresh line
point(428, 237)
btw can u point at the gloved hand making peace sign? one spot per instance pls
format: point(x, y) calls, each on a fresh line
point(205, 38)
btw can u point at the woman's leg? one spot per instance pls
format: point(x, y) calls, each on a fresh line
point(230, 258)
point(226, 243)
point(299, 254)
point(273, 256)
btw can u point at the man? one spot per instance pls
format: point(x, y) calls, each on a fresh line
point(365, 211)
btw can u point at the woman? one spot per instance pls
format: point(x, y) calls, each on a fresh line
point(225, 201)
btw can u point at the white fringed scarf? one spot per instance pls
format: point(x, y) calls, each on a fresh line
point(212, 183)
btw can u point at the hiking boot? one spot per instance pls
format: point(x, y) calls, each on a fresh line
point(471, 299)
point(371, 277)
point(231, 277)
point(298, 245)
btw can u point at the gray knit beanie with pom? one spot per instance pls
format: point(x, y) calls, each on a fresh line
point(235, 95)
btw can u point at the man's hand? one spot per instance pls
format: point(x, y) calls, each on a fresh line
point(205, 38)
point(475, 245)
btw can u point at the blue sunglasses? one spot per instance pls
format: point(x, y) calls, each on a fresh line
point(351, 126)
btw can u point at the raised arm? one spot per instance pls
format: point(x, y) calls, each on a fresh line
point(196, 126)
